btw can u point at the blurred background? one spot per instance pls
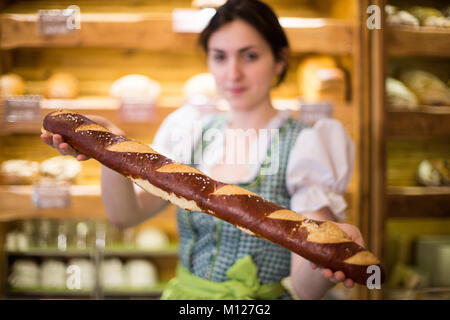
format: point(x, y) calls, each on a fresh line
point(380, 67)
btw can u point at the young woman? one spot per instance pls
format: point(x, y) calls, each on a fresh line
point(247, 53)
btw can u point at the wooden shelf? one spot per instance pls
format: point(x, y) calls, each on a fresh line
point(36, 293)
point(100, 106)
point(109, 108)
point(426, 121)
point(153, 293)
point(418, 41)
point(16, 203)
point(153, 31)
point(418, 202)
point(169, 251)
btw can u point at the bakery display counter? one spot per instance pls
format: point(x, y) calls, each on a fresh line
point(114, 42)
point(86, 259)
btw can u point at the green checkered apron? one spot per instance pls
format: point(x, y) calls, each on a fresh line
point(209, 247)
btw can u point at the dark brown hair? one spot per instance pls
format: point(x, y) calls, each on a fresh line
point(257, 14)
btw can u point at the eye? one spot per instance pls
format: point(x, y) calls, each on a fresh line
point(251, 56)
point(218, 57)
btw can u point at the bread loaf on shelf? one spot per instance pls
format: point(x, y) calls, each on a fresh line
point(323, 243)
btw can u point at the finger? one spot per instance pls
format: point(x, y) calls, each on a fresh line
point(46, 138)
point(82, 157)
point(327, 273)
point(349, 283)
point(57, 140)
point(66, 147)
point(313, 266)
point(339, 276)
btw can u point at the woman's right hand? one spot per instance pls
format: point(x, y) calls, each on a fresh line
point(56, 141)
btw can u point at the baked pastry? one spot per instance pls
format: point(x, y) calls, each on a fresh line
point(429, 16)
point(202, 84)
point(135, 86)
point(152, 239)
point(25, 274)
point(11, 84)
point(87, 272)
point(111, 273)
point(19, 172)
point(434, 172)
point(321, 242)
point(396, 17)
point(427, 87)
point(140, 273)
point(398, 95)
point(61, 168)
point(53, 274)
point(62, 86)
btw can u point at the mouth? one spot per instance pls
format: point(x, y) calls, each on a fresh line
point(236, 90)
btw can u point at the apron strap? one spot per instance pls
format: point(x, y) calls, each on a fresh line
point(243, 285)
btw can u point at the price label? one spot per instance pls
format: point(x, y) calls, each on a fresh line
point(137, 110)
point(22, 108)
point(311, 112)
point(57, 21)
point(52, 193)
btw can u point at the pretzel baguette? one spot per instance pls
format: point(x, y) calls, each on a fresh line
point(323, 243)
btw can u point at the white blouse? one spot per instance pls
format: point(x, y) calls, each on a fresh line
point(319, 168)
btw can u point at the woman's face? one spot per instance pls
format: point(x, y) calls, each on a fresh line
point(242, 64)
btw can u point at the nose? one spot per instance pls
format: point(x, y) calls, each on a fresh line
point(234, 70)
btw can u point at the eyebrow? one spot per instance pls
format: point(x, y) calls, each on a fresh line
point(240, 50)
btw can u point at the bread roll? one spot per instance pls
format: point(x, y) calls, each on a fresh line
point(61, 86)
point(323, 243)
point(11, 84)
point(135, 86)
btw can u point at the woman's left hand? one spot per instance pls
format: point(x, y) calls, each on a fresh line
point(339, 276)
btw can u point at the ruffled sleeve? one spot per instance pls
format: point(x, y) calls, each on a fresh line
point(320, 167)
point(179, 132)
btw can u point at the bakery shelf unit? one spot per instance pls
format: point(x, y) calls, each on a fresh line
point(164, 259)
point(116, 39)
point(401, 138)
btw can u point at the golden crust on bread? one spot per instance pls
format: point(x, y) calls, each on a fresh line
point(131, 146)
point(92, 127)
point(178, 168)
point(363, 258)
point(286, 215)
point(326, 232)
point(231, 189)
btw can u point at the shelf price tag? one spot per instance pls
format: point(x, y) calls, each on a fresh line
point(22, 108)
point(52, 193)
point(311, 112)
point(59, 21)
point(137, 110)
point(191, 20)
